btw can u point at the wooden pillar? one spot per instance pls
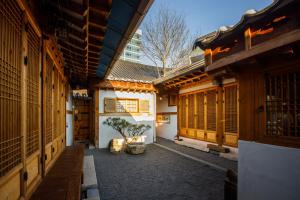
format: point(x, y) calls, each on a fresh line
point(24, 66)
point(43, 107)
point(96, 118)
point(220, 120)
point(178, 116)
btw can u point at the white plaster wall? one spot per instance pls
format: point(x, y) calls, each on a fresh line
point(69, 121)
point(268, 172)
point(167, 131)
point(107, 133)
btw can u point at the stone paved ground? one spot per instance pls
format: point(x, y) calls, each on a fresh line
point(156, 175)
point(209, 157)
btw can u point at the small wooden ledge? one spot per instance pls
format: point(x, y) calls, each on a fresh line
point(65, 178)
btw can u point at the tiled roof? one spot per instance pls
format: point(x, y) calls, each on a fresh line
point(250, 17)
point(134, 72)
point(179, 71)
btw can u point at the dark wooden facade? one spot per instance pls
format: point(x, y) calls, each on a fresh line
point(262, 53)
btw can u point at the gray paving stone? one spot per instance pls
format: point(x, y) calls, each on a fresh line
point(158, 174)
point(209, 157)
point(89, 173)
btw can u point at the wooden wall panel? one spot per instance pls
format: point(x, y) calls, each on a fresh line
point(230, 115)
point(200, 110)
point(33, 83)
point(191, 111)
point(211, 113)
point(48, 90)
point(10, 86)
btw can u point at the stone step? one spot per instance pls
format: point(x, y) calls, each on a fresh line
point(89, 173)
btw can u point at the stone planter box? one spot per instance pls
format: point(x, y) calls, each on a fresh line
point(116, 145)
point(136, 148)
point(135, 145)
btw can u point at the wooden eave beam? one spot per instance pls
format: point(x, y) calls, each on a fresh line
point(69, 52)
point(71, 47)
point(73, 20)
point(68, 45)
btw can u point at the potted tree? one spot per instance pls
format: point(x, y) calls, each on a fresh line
point(133, 139)
point(136, 143)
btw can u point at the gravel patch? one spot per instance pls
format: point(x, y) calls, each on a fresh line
point(157, 174)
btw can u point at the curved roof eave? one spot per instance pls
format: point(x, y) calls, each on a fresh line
point(205, 42)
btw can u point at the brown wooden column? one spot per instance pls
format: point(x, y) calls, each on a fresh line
point(43, 107)
point(220, 120)
point(24, 61)
point(96, 109)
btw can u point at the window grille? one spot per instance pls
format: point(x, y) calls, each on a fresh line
point(144, 106)
point(200, 110)
point(10, 85)
point(191, 111)
point(109, 105)
point(231, 109)
point(183, 111)
point(211, 110)
point(33, 69)
point(48, 91)
point(283, 104)
point(120, 105)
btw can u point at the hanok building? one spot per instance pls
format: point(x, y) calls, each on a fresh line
point(47, 46)
point(128, 93)
point(246, 95)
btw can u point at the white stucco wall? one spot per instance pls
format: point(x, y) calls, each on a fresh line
point(107, 133)
point(268, 172)
point(164, 130)
point(69, 121)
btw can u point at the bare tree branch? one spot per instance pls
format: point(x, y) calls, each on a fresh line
point(166, 39)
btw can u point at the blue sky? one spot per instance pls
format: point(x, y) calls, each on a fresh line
point(205, 16)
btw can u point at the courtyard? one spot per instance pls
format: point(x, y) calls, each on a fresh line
point(159, 174)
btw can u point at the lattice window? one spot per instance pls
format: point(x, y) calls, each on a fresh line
point(112, 105)
point(109, 105)
point(283, 104)
point(211, 110)
point(183, 109)
point(191, 111)
point(10, 85)
point(132, 105)
point(48, 91)
point(144, 106)
point(33, 69)
point(120, 105)
point(231, 112)
point(200, 110)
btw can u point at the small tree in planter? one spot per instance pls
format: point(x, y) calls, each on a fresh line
point(127, 130)
point(137, 130)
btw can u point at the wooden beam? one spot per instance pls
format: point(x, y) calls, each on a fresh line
point(284, 39)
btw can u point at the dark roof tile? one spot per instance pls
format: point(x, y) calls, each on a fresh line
point(134, 72)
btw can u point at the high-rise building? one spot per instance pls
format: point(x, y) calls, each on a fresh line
point(132, 51)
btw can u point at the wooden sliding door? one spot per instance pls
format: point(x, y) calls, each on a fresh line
point(230, 113)
point(198, 115)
